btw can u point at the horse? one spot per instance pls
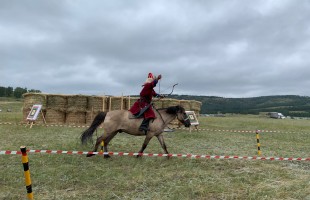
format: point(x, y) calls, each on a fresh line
point(118, 121)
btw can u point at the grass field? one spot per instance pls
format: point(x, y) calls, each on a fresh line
point(57, 176)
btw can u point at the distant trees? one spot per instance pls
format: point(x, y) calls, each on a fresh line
point(17, 92)
point(289, 105)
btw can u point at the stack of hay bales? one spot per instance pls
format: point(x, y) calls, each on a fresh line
point(169, 102)
point(31, 99)
point(185, 104)
point(95, 104)
point(76, 109)
point(56, 109)
point(117, 103)
point(158, 103)
point(195, 106)
point(127, 101)
point(131, 101)
point(81, 109)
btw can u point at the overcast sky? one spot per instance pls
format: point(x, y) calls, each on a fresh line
point(227, 48)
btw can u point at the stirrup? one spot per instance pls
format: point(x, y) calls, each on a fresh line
point(143, 129)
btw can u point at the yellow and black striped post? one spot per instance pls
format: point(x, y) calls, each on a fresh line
point(26, 172)
point(258, 144)
point(102, 144)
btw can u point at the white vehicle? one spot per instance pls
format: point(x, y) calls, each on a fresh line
point(276, 115)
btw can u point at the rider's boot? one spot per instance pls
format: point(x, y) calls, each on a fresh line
point(144, 125)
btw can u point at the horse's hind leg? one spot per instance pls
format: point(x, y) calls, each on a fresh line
point(106, 140)
point(98, 142)
point(106, 143)
point(162, 143)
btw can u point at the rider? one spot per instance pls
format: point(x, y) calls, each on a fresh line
point(145, 100)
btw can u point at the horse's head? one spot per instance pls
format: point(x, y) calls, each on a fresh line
point(181, 115)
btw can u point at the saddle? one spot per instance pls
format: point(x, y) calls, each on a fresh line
point(140, 114)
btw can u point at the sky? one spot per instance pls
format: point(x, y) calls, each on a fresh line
point(227, 48)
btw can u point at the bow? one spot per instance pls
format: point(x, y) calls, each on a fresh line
point(172, 89)
point(166, 95)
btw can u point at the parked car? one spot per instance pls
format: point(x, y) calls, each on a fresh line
point(276, 115)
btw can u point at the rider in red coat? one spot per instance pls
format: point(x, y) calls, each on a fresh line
point(145, 100)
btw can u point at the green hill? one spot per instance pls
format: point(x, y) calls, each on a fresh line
point(291, 105)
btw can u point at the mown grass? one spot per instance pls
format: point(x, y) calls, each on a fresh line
point(77, 177)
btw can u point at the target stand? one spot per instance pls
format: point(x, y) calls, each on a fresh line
point(33, 115)
point(193, 119)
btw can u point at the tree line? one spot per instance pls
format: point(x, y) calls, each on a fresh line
point(15, 92)
point(289, 105)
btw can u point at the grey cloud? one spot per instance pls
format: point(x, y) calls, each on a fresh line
point(224, 48)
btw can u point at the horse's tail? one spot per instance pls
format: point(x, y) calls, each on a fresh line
point(87, 134)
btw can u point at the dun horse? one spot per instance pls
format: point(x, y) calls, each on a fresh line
point(122, 121)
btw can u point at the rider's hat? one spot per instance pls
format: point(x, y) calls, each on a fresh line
point(150, 78)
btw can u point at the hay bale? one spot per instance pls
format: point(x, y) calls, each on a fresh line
point(158, 104)
point(131, 101)
point(116, 103)
point(31, 99)
point(195, 105)
point(170, 102)
point(55, 116)
point(90, 115)
point(185, 104)
point(197, 113)
point(75, 118)
point(125, 104)
point(76, 103)
point(57, 102)
point(128, 102)
point(97, 103)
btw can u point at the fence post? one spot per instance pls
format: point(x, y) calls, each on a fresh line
point(26, 172)
point(258, 144)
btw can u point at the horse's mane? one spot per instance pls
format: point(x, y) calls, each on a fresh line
point(172, 110)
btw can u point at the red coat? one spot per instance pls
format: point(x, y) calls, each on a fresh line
point(146, 95)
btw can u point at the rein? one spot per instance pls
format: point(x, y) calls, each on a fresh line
point(161, 115)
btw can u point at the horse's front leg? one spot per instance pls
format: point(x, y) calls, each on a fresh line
point(145, 143)
point(160, 138)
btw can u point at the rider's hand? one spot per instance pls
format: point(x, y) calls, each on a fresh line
point(159, 77)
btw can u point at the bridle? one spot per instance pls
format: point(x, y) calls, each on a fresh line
point(166, 95)
point(184, 120)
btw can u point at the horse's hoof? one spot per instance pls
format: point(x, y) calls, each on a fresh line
point(106, 156)
point(139, 155)
point(90, 155)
